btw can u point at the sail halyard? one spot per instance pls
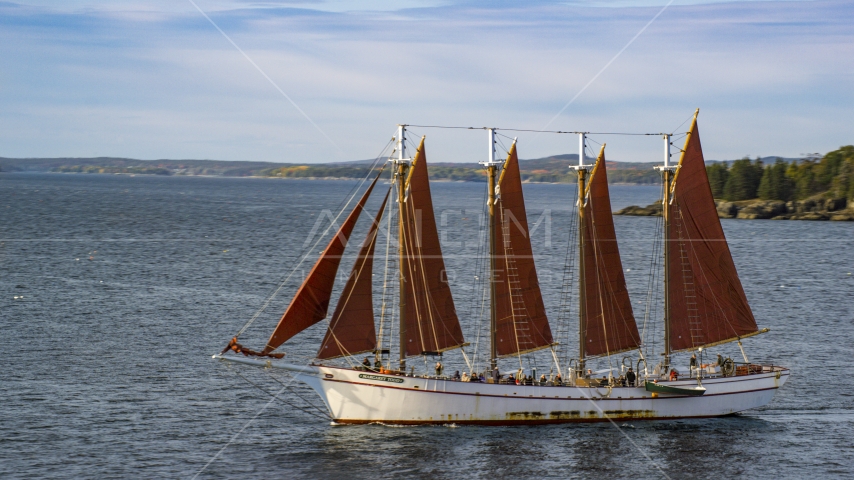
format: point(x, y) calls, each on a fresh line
point(609, 324)
point(311, 302)
point(707, 304)
point(521, 325)
point(352, 330)
point(430, 324)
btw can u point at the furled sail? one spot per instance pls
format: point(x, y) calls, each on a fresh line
point(431, 318)
point(311, 301)
point(521, 323)
point(351, 330)
point(707, 302)
point(609, 324)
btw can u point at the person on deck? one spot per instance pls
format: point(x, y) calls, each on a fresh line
point(558, 380)
point(465, 377)
point(630, 377)
point(439, 369)
point(377, 364)
point(496, 376)
point(457, 376)
point(693, 364)
point(366, 363)
point(543, 379)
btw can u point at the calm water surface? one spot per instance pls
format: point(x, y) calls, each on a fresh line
point(127, 285)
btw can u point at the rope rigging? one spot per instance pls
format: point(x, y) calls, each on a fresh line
point(308, 252)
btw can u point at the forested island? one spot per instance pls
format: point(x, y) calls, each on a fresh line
point(815, 188)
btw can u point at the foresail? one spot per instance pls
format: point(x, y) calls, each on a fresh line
point(609, 322)
point(707, 301)
point(521, 322)
point(431, 317)
point(351, 330)
point(311, 302)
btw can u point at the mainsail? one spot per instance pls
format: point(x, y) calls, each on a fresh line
point(351, 330)
point(431, 317)
point(521, 323)
point(609, 325)
point(311, 301)
point(707, 301)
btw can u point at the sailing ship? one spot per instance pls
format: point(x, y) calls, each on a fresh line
point(704, 306)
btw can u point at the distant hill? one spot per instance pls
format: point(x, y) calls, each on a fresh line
point(553, 169)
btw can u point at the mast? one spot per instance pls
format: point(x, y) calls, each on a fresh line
point(582, 287)
point(491, 167)
point(400, 172)
point(667, 171)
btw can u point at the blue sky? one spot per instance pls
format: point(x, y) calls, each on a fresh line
point(156, 80)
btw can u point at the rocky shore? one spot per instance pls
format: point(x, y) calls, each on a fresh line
point(834, 209)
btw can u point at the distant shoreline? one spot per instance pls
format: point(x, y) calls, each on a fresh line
point(267, 177)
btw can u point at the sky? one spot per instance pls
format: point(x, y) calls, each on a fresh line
point(319, 81)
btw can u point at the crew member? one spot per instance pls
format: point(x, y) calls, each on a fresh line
point(438, 369)
point(630, 377)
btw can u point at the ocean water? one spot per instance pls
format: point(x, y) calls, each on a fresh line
point(116, 290)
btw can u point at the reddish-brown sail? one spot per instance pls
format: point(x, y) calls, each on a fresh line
point(609, 322)
point(707, 301)
point(311, 301)
point(521, 322)
point(351, 330)
point(431, 318)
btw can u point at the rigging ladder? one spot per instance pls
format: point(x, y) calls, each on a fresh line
point(521, 325)
point(689, 289)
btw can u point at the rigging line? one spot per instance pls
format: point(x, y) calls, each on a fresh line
point(703, 273)
point(608, 64)
point(478, 269)
point(264, 74)
point(237, 434)
point(430, 301)
point(293, 390)
point(683, 123)
point(308, 252)
point(537, 131)
point(652, 278)
point(569, 266)
point(598, 256)
point(388, 217)
point(276, 397)
point(361, 266)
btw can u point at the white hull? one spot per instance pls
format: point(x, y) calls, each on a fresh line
point(364, 397)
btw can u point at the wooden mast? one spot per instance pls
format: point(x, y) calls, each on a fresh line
point(491, 168)
point(400, 172)
point(582, 287)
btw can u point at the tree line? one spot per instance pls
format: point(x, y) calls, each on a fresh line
point(831, 175)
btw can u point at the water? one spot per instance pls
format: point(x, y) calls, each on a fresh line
point(107, 370)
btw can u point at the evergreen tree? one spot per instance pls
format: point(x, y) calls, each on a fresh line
point(743, 179)
point(717, 173)
point(775, 185)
